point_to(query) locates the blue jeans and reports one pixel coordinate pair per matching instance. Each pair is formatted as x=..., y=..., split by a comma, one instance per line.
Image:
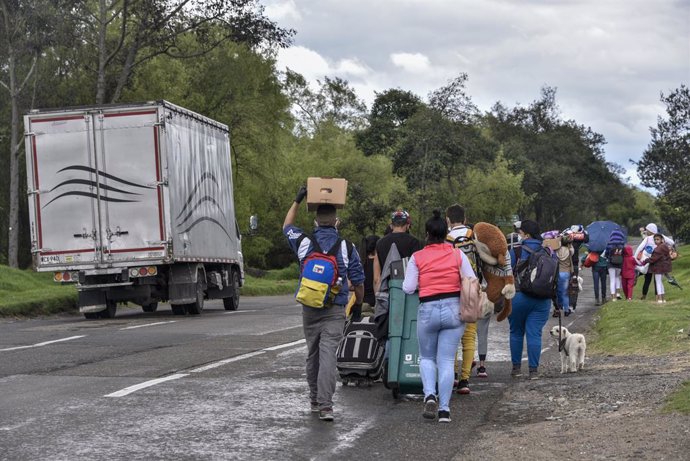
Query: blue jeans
x=563, y=298
x=599, y=275
x=528, y=318
x=439, y=329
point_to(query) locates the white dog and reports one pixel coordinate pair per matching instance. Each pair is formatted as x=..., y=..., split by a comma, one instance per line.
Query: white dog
x=573, y=347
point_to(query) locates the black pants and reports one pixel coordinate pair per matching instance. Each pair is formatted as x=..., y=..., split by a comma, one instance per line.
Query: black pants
x=648, y=277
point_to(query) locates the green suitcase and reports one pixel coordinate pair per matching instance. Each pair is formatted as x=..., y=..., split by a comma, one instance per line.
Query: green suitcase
x=403, y=358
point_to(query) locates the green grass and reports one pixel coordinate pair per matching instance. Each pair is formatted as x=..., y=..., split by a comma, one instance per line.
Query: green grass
x=647, y=328
x=264, y=286
x=25, y=292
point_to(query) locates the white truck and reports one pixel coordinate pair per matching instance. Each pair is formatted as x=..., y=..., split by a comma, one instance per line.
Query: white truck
x=134, y=203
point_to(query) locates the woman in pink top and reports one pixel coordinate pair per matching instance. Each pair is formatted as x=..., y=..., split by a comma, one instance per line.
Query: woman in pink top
x=435, y=272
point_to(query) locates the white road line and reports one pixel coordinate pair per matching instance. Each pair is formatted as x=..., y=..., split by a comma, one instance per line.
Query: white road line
x=283, y=346
x=153, y=382
x=42, y=344
x=147, y=325
x=240, y=312
x=348, y=439
x=210, y=366
x=261, y=333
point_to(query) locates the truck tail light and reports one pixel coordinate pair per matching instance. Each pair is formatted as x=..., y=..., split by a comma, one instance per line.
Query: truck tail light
x=143, y=271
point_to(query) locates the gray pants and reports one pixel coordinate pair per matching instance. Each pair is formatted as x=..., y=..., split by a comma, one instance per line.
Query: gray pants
x=483, y=336
x=323, y=330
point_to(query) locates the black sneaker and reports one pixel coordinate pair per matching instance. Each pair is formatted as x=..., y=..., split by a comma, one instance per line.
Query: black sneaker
x=430, y=407
x=326, y=414
x=443, y=416
x=516, y=372
x=533, y=373
x=314, y=407
x=556, y=313
x=567, y=314
x=464, y=387
x=481, y=372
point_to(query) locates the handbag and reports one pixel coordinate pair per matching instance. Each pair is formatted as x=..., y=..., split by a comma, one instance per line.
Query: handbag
x=471, y=308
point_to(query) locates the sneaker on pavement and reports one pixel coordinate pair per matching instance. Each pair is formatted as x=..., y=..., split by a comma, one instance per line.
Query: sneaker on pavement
x=326, y=414
x=481, y=372
x=430, y=407
x=315, y=407
x=516, y=372
x=443, y=416
x=464, y=387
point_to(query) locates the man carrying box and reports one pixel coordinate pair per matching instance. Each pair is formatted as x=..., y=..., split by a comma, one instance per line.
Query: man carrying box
x=323, y=322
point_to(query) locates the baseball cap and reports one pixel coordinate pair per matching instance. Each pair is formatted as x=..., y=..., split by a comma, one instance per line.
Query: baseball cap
x=400, y=217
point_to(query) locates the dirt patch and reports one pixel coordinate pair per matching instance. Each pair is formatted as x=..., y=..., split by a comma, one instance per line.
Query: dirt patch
x=611, y=410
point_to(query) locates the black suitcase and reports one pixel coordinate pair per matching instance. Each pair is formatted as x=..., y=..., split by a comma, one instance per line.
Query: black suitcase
x=360, y=354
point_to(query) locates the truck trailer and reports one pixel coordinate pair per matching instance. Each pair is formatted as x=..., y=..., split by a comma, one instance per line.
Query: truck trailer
x=134, y=203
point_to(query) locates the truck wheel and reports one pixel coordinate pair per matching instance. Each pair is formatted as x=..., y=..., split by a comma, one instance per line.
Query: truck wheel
x=149, y=307
x=197, y=306
x=233, y=302
x=109, y=312
x=178, y=309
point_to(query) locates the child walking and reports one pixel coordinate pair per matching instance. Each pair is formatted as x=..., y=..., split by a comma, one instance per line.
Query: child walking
x=628, y=272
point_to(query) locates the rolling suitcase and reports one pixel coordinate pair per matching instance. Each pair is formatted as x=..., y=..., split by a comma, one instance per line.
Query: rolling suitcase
x=402, y=374
x=360, y=354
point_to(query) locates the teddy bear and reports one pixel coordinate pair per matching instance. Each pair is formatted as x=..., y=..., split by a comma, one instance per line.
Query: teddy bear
x=493, y=251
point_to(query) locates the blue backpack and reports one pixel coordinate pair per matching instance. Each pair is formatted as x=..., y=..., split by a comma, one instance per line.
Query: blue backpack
x=318, y=283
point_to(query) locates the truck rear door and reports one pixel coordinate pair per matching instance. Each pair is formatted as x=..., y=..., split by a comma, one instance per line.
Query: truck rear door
x=95, y=181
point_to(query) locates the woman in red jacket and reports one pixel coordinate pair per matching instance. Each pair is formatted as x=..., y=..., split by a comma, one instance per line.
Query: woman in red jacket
x=435, y=271
x=660, y=264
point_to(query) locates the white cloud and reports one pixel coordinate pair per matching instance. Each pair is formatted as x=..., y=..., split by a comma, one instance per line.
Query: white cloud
x=282, y=11
x=351, y=67
x=302, y=60
x=415, y=63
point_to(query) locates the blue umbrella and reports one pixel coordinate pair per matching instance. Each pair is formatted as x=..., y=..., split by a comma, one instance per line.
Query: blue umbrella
x=599, y=233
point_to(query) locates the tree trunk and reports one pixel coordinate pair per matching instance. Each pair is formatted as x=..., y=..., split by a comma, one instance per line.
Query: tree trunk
x=102, y=52
x=13, y=233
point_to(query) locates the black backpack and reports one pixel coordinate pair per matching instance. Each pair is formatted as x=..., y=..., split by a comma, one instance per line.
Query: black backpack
x=616, y=256
x=538, y=274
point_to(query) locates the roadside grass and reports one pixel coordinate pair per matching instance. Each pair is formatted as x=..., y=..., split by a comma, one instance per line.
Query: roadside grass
x=25, y=292
x=647, y=328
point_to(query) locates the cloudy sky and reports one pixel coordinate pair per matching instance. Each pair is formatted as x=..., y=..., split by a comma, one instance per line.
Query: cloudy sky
x=609, y=59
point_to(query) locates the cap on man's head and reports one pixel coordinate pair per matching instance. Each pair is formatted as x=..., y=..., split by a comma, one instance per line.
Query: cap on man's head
x=400, y=218
x=651, y=228
x=530, y=227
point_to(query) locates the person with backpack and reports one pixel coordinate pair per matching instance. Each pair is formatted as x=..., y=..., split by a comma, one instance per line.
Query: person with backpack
x=368, y=248
x=437, y=272
x=614, y=254
x=327, y=262
x=398, y=244
x=600, y=268
x=460, y=236
x=536, y=272
x=660, y=264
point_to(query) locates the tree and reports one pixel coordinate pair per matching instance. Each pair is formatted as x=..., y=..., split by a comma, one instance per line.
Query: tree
x=26, y=30
x=389, y=113
x=666, y=160
x=334, y=102
x=117, y=36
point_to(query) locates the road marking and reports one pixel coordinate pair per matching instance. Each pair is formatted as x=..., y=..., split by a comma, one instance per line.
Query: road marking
x=153, y=382
x=283, y=346
x=148, y=325
x=210, y=366
x=348, y=439
x=42, y=344
x=240, y=312
x=261, y=333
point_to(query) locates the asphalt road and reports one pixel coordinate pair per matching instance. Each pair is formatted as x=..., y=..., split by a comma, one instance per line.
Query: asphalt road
x=221, y=385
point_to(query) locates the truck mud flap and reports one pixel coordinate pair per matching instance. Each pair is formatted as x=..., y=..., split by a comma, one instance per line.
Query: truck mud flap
x=182, y=286
x=92, y=301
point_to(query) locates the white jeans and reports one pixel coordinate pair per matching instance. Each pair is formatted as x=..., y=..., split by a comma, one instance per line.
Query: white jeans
x=614, y=279
x=659, y=283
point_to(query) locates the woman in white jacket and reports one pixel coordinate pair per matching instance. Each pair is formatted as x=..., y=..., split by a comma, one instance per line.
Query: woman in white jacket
x=644, y=250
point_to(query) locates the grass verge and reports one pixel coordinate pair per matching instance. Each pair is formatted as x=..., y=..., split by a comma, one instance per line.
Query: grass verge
x=25, y=292
x=647, y=328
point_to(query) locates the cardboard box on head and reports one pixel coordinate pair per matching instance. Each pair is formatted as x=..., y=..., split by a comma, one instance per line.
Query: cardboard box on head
x=554, y=243
x=326, y=190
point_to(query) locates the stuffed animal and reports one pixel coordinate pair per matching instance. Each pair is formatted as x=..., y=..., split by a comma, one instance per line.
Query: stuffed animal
x=493, y=251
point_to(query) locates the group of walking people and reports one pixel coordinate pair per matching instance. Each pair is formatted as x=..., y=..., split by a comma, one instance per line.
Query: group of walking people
x=435, y=270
